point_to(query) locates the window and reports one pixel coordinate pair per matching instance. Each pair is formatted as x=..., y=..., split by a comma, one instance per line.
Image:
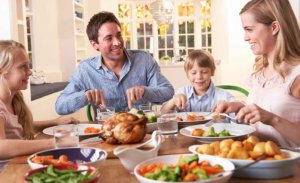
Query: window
x=29, y=31
x=191, y=28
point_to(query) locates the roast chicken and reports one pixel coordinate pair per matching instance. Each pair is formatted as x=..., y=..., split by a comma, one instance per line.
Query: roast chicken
x=124, y=128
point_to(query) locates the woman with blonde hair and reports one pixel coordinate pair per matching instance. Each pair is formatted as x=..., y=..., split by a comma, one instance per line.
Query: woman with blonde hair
x=16, y=121
x=273, y=104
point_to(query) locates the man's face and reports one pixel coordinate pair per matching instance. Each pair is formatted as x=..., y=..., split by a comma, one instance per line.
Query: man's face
x=110, y=42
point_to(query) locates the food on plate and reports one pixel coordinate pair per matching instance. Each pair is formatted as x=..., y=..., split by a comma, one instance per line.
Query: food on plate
x=190, y=118
x=90, y=130
x=251, y=148
x=50, y=160
x=188, y=168
x=63, y=174
x=124, y=128
x=197, y=132
x=210, y=132
x=194, y=117
x=151, y=116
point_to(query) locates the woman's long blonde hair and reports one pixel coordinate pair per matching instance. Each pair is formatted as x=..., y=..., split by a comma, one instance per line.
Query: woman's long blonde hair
x=287, y=48
x=8, y=49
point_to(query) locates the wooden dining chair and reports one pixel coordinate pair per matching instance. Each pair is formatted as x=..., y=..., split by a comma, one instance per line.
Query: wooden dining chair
x=234, y=88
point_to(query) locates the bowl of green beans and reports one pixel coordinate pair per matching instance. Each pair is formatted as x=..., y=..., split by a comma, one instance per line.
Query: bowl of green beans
x=67, y=173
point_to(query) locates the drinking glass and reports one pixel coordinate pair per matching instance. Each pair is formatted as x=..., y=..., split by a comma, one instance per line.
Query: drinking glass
x=167, y=125
x=105, y=113
x=66, y=136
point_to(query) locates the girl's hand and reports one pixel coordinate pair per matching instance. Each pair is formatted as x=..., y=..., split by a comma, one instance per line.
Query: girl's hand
x=252, y=114
x=64, y=121
x=223, y=106
x=180, y=101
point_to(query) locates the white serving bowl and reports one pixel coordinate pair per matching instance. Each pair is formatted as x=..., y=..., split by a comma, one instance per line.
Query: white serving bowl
x=264, y=169
x=173, y=159
x=79, y=155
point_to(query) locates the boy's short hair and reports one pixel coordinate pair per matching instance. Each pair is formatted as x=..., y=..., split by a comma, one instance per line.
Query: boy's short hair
x=97, y=21
x=202, y=58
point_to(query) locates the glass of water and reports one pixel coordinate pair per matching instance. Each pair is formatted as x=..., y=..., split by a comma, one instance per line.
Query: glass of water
x=167, y=125
x=105, y=113
x=66, y=136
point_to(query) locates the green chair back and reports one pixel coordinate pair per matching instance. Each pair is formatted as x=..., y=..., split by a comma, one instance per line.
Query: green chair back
x=88, y=113
x=235, y=88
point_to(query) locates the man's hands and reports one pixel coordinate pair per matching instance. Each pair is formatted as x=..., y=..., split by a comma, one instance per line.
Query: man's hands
x=134, y=94
x=96, y=97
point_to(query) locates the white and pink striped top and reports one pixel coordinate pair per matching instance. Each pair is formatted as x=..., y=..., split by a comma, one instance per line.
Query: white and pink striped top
x=274, y=95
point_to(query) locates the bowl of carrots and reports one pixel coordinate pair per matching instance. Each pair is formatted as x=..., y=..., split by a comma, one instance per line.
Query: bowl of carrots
x=184, y=168
x=63, y=173
x=67, y=156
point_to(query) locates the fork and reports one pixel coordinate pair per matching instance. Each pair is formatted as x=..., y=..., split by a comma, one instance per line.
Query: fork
x=227, y=116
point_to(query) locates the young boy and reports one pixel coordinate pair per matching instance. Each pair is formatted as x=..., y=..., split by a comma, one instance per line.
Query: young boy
x=201, y=94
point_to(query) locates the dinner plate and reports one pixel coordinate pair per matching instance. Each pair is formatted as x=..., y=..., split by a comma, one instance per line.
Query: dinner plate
x=237, y=131
x=183, y=115
x=264, y=169
x=81, y=128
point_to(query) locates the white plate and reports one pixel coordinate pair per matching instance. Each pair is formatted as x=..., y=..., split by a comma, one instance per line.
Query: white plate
x=173, y=159
x=265, y=169
x=236, y=131
x=81, y=128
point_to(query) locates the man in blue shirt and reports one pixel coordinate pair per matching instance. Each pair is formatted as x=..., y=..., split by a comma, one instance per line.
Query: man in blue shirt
x=118, y=77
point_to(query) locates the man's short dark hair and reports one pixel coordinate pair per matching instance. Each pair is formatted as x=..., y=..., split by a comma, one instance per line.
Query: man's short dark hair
x=97, y=21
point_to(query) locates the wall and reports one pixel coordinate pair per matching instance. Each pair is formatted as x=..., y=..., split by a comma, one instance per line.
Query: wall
x=228, y=44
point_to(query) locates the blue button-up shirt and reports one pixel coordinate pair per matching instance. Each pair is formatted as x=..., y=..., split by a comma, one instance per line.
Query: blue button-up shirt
x=139, y=70
x=205, y=102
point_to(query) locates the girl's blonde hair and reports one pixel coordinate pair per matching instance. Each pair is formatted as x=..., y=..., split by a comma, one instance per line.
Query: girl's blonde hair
x=8, y=49
x=202, y=58
x=287, y=48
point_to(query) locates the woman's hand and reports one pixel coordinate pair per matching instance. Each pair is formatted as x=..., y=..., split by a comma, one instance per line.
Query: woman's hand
x=223, y=106
x=252, y=114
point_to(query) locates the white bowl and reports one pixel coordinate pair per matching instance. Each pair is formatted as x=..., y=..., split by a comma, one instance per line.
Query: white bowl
x=264, y=169
x=79, y=155
x=173, y=159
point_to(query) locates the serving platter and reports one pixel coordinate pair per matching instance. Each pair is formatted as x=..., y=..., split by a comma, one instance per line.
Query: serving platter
x=81, y=128
x=237, y=131
x=264, y=169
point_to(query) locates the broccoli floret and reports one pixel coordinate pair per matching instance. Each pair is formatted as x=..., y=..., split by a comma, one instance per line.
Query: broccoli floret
x=152, y=118
x=200, y=173
x=188, y=159
x=224, y=133
x=210, y=132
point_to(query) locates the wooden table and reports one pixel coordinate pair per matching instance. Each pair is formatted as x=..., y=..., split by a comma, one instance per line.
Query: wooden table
x=113, y=171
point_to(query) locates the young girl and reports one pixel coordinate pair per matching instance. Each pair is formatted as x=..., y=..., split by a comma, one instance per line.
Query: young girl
x=201, y=95
x=16, y=122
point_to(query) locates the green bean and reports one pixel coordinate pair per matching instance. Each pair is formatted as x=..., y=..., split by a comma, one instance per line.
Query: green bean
x=54, y=175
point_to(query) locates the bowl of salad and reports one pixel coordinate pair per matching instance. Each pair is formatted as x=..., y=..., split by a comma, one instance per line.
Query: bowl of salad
x=184, y=168
x=151, y=116
x=65, y=173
